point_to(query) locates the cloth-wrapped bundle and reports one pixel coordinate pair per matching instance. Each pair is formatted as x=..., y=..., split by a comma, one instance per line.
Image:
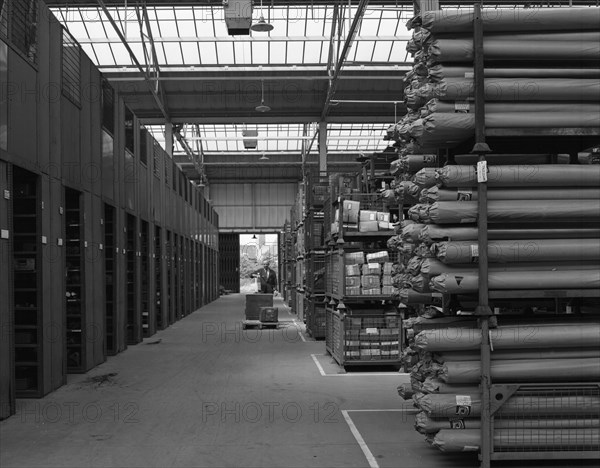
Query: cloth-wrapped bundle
x=434, y=194
x=510, y=20
x=469, y=440
x=513, y=159
x=509, y=211
x=405, y=391
x=410, y=297
x=438, y=72
x=425, y=178
x=555, y=175
x=516, y=354
x=435, y=233
x=413, y=163
x=442, y=405
x=521, y=337
x=411, y=232
x=449, y=283
x=524, y=370
x=433, y=385
x=518, y=251
x=461, y=50
x=427, y=425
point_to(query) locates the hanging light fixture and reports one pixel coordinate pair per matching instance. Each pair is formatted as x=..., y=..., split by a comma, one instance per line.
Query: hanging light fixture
x=263, y=107
x=254, y=237
x=262, y=25
x=264, y=157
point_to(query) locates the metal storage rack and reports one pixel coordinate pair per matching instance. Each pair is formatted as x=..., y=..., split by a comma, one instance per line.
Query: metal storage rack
x=362, y=338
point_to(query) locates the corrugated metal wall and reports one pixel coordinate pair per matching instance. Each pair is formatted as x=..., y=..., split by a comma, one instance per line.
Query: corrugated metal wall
x=253, y=205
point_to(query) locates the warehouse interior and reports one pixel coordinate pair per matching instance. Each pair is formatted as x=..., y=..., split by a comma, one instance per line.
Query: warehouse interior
x=422, y=176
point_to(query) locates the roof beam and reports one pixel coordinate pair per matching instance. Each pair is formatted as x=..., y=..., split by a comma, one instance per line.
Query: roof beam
x=351, y=33
x=235, y=39
x=134, y=59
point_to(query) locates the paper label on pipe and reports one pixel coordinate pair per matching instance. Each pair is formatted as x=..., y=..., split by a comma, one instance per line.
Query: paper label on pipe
x=464, y=194
x=471, y=448
x=7, y=194
x=463, y=400
x=4, y=234
x=474, y=251
x=44, y=240
x=372, y=331
x=482, y=171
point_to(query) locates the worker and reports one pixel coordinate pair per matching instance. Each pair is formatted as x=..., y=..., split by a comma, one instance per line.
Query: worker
x=268, y=278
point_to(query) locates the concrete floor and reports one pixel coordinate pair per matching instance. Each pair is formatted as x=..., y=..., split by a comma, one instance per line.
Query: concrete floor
x=212, y=395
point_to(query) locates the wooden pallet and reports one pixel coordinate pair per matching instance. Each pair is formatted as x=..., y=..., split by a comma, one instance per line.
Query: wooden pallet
x=258, y=324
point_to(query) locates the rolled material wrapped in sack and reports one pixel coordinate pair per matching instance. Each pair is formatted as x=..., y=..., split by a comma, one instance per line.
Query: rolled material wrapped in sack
x=431, y=267
x=435, y=233
x=525, y=370
x=513, y=159
x=425, y=177
x=521, y=337
x=518, y=251
x=413, y=163
x=410, y=297
x=434, y=194
x=441, y=405
x=410, y=232
x=567, y=353
x=461, y=50
x=428, y=425
x=510, y=20
x=509, y=211
x=449, y=440
x=448, y=283
x=555, y=175
x=438, y=106
x=433, y=385
x=405, y=391
x=438, y=72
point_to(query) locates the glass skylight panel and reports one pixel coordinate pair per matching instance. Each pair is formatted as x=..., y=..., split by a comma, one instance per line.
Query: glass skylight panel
x=173, y=53
x=225, y=53
x=295, y=26
x=277, y=52
x=294, y=52
x=382, y=51
x=190, y=53
x=208, y=53
x=398, y=51
x=165, y=14
x=364, y=51
x=242, y=52
x=104, y=54
x=312, y=52
x=260, y=53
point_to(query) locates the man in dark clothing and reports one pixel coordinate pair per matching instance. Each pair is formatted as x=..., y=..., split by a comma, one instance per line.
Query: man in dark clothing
x=268, y=278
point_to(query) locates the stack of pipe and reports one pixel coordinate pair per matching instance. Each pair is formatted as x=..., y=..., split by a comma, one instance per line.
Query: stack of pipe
x=445, y=385
x=548, y=79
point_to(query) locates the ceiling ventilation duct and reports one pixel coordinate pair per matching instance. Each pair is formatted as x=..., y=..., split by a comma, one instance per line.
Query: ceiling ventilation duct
x=238, y=17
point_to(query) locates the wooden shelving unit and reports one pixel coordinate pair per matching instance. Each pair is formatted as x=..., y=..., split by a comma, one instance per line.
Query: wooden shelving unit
x=75, y=280
x=147, y=326
x=27, y=285
x=133, y=334
x=110, y=325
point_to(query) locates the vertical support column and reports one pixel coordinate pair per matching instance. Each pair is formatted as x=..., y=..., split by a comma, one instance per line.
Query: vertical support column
x=322, y=148
x=483, y=310
x=169, y=140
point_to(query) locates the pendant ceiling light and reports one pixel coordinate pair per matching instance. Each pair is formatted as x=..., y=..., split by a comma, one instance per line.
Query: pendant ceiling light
x=264, y=157
x=263, y=107
x=262, y=25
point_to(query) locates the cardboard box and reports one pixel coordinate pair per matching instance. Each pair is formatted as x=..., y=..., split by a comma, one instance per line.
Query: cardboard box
x=371, y=269
x=383, y=220
x=352, y=270
x=388, y=290
x=371, y=291
x=352, y=281
x=354, y=258
x=388, y=268
x=353, y=291
x=378, y=257
x=368, y=226
x=367, y=215
x=387, y=280
x=350, y=211
x=370, y=281
x=269, y=314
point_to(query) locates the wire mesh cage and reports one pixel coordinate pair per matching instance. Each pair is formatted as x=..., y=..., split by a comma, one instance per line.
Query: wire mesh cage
x=317, y=191
x=363, y=339
x=546, y=421
x=314, y=230
x=315, y=317
x=315, y=272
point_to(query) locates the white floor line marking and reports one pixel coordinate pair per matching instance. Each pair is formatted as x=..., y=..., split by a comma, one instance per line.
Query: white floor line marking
x=318, y=365
x=361, y=442
x=297, y=325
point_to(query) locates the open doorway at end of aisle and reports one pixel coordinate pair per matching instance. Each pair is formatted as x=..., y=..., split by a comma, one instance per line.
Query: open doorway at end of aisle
x=254, y=250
